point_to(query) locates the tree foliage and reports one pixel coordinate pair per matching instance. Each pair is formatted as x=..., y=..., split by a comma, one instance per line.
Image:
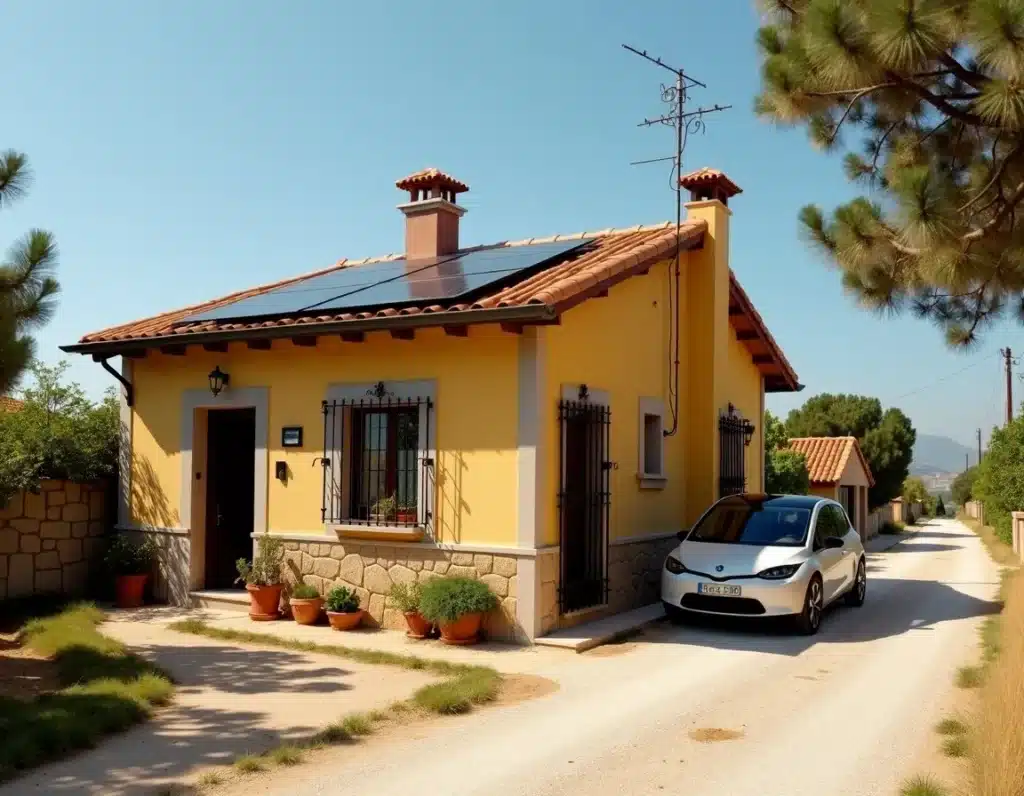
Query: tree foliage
x=914, y=490
x=785, y=471
x=886, y=438
x=927, y=99
x=963, y=485
x=58, y=433
x=999, y=483
x=28, y=289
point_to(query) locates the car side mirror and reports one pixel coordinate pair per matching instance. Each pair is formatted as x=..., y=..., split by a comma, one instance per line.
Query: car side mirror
x=681, y=535
x=834, y=543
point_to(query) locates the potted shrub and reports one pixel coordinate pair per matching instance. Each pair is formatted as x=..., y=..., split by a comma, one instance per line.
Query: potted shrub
x=306, y=604
x=262, y=579
x=130, y=562
x=406, y=515
x=406, y=598
x=457, y=606
x=384, y=509
x=343, y=611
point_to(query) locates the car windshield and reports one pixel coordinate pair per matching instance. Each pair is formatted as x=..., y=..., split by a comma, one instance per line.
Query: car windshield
x=747, y=521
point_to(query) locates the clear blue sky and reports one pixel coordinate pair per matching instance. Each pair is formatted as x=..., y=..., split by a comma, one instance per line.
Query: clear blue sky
x=183, y=150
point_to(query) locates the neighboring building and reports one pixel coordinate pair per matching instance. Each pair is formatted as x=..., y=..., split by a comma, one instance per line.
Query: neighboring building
x=839, y=471
x=503, y=412
x=8, y=404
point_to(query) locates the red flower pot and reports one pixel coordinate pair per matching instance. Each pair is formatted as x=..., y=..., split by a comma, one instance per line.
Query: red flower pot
x=345, y=621
x=418, y=626
x=264, y=602
x=464, y=630
x=306, y=611
x=129, y=589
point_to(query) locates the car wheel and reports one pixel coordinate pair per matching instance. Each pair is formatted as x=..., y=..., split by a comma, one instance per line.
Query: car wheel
x=675, y=614
x=809, y=619
x=856, y=595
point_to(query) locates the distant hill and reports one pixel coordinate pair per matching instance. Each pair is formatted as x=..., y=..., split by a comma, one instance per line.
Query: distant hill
x=936, y=454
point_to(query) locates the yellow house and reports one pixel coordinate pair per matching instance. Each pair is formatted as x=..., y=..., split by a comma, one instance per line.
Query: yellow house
x=542, y=414
x=838, y=470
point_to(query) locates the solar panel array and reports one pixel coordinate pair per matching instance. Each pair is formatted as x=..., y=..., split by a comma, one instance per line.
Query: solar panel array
x=395, y=282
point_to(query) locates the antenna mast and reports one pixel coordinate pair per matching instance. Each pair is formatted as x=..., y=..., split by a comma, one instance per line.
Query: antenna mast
x=685, y=122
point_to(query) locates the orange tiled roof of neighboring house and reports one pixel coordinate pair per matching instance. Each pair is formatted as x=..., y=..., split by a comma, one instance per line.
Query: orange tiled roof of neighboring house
x=8, y=404
x=610, y=256
x=827, y=457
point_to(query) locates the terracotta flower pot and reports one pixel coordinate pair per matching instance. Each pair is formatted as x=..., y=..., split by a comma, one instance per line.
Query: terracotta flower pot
x=406, y=517
x=463, y=630
x=129, y=589
x=346, y=621
x=307, y=611
x=418, y=626
x=264, y=602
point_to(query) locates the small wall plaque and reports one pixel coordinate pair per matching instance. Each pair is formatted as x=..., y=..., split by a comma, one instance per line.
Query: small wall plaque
x=291, y=437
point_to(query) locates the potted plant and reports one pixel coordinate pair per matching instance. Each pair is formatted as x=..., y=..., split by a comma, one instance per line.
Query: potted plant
x=406, y=598
x=306, y=604
x=384, y=509
x=130, y=562
x=262, y=579
x=343, y=611
x=457, y=606
x=406, y=514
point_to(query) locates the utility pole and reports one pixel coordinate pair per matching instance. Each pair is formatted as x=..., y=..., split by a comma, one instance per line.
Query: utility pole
x=967, y=462
x=1008, y=356
x=979, y=441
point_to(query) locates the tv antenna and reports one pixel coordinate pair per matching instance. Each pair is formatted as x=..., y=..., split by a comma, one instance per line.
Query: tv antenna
x=685, y=122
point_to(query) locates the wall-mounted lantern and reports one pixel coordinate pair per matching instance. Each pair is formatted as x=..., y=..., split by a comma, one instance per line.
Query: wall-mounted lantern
x=218, y=380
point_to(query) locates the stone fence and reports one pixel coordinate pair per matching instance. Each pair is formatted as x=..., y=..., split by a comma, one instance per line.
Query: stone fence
x=975, y=509
x=50, y=538
x=876, y=519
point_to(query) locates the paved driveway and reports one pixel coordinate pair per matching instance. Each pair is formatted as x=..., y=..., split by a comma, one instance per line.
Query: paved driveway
x=842, y=714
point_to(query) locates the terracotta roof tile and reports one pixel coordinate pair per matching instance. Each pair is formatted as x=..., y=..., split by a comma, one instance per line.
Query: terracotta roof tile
x=827, y=457
x=706, y=177
x=431, y=176
x=8, y=404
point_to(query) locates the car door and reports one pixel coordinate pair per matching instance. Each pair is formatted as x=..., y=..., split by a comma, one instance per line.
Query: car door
x=849, y=559
x=830, y=560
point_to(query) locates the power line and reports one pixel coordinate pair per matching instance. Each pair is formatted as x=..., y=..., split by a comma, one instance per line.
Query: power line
x=949, y=376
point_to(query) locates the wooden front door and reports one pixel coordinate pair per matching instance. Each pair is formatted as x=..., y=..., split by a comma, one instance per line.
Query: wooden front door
x=230, y=463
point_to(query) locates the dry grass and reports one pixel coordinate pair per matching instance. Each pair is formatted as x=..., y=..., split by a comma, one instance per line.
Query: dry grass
x=922, y=786
x=250, y=764
x=210, y=779
x=951, y=727
x=997, y=759
x=955, y=746
x=715, y=734
x=1001, y=552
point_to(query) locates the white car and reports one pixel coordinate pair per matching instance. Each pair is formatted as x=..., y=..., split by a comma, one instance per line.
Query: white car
x=766, y=555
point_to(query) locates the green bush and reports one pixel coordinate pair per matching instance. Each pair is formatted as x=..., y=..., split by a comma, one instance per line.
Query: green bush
x=303, y=591
x=342, y=600
x=447, y=599
x=1000, y=480
x=892, y=528
x=126, y=557
x=265, y=570
x=406, y=596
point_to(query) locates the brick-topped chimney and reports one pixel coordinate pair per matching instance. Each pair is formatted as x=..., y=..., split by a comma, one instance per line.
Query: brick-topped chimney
x=431, y=215
x=707, y=183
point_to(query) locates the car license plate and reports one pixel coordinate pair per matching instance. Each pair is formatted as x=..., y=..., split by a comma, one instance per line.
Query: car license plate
x=719, y=590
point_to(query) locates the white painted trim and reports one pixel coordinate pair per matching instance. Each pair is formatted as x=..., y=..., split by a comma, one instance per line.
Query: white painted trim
x=529, y=457
x=650, y=407
x=650, y=537
x=426, y=444
x=131, y=528
x=257, y=398
x=323, y=538
x=124, y=450
x=433, y=203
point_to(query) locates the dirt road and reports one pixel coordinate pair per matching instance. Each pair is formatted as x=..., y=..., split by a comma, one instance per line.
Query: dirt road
x=844, y=714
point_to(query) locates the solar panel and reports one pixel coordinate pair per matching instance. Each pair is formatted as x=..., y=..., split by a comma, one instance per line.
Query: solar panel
x=392, y=282
x=459, y=276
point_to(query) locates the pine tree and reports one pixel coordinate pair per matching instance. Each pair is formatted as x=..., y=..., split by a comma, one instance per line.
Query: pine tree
x=940, y=508
x=931, y=93
x=27, y=288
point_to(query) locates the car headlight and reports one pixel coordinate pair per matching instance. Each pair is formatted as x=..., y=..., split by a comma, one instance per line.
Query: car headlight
x=779, y=573
x=674, y=565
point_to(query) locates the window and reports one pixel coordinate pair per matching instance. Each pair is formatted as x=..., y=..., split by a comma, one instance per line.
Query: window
x=831, y=523
x=746, y=520
x=651, y=463
x=378, y=462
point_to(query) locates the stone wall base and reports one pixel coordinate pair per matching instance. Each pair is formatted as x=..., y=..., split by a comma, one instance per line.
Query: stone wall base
x=371, y=568
x=634, y=572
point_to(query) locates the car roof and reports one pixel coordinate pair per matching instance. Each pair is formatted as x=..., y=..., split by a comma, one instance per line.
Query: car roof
x=786, y=501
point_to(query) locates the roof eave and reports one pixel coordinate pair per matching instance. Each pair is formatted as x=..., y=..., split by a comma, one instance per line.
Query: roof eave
x=528, y=314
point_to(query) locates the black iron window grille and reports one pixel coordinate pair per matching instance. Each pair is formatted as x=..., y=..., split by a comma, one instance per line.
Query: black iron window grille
x=734, y=435
x=584, y=498
x=377, y=468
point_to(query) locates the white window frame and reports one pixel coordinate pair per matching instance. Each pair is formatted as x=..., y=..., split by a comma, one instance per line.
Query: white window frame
x=426, y=448
x=650, y=407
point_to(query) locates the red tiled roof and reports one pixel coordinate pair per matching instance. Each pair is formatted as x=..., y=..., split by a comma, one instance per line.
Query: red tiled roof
x=8, y=404
x=431, y=176
x=706, y=177
x=827, y=457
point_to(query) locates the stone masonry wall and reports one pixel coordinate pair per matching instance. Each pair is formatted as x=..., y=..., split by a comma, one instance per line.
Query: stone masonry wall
x=371, y=567
x=634, y=572
x=48, y=539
